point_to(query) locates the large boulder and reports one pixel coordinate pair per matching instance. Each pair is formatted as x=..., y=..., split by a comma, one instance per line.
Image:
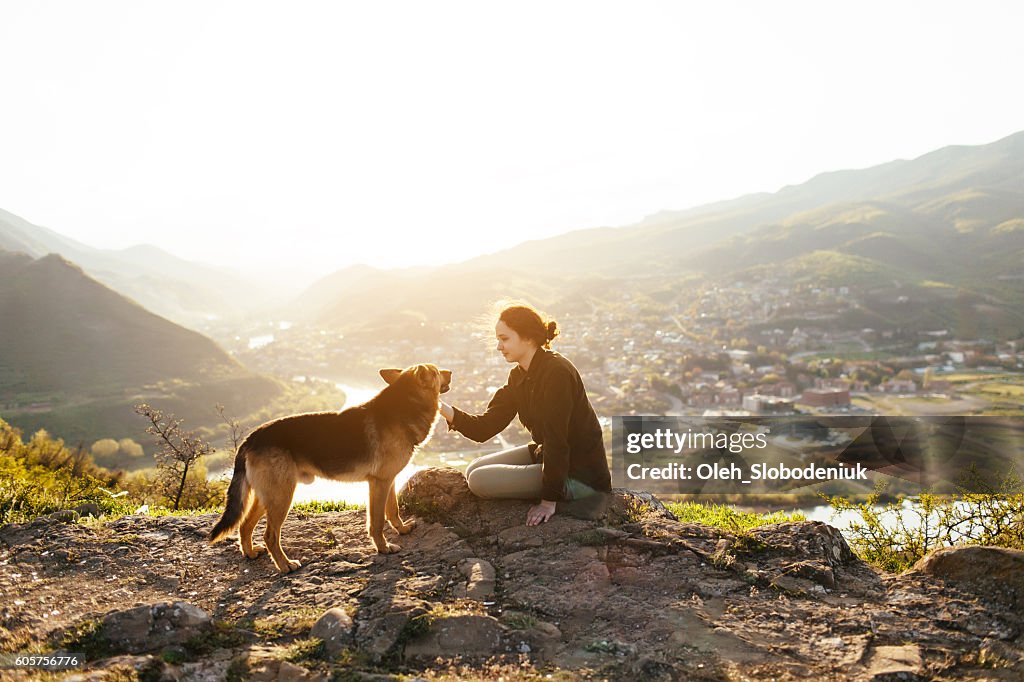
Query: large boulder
x=800, y=558
x=993, y=573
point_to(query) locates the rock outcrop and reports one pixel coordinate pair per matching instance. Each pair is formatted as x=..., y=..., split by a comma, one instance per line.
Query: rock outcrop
x=615, y=589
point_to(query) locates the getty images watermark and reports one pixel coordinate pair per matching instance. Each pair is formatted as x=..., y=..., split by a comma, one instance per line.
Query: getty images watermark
x=753, y=454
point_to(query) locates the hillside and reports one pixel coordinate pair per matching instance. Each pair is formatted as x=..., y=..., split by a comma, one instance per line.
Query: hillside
x=75, y=355
x=947, y=226
x=189, y=293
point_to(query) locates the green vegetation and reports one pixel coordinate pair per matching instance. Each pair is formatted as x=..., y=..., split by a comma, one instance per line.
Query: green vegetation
x=85, y=637
x=519, y=621
x=322, y=506
x=895, y=535
x=727, y=517
x=289, y=624
x=42, y=476
x=225, y=635
x=305, y=651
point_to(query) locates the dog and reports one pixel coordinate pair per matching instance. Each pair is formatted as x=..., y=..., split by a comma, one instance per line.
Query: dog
x=370, y=442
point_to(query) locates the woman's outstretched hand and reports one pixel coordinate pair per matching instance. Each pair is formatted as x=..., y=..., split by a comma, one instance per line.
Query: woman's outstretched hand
x=446, y=411
x=539, y=513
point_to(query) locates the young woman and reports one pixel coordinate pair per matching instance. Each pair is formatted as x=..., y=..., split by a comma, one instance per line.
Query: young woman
x=566, y=460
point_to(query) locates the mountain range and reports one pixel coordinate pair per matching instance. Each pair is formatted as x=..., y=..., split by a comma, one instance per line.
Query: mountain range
x=947, y=226
x=945, y=231
x=192, y=294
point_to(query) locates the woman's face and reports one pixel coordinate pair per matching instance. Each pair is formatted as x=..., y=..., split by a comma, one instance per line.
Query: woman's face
x=512, y=346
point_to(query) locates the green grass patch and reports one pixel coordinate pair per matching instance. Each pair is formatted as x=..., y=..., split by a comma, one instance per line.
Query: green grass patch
x=301, y=651
x=85, y=636
x=165, y=511
x=224, y=635
x=1003, y=389
x=323, y=506
x=297, y=622
x=519, y=621
x=727, y=517
x=423, y=509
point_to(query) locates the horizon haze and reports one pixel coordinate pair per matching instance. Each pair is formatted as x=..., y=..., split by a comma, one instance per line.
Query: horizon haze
x=327, y=136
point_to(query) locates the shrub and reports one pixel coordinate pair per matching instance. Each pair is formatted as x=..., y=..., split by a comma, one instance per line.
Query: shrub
x=895, y=535
x=43, y=476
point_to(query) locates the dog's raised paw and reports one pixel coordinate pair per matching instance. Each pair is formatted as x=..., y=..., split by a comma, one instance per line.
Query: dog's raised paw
x=406, y=527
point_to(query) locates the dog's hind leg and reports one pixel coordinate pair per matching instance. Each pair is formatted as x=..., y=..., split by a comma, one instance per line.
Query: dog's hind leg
x=391, y=511
x=278, y=503
x=375, y=512
x=252, y=516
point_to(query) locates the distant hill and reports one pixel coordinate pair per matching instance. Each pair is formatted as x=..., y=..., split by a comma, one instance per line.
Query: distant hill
x=961, y=185
x=947, y=227
x=180, y=290
x=75, y=356
x=403, y=301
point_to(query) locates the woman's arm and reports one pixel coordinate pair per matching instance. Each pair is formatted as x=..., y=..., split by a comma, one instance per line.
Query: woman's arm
x=482, y=427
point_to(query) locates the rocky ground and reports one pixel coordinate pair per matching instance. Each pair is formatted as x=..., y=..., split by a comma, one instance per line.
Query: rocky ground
x=623, y=592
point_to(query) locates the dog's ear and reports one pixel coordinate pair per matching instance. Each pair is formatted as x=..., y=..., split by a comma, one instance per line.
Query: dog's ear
x=390, y=375
x=446, y=380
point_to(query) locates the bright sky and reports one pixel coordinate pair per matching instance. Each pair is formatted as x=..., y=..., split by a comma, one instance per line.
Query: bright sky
x=317, y=135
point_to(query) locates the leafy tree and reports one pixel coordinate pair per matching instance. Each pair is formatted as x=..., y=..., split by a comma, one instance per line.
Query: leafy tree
x=180, y=479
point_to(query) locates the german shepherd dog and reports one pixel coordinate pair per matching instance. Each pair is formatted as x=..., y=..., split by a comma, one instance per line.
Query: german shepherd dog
x=370, y=442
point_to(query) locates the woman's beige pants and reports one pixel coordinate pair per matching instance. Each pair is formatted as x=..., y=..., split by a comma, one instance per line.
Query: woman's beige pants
x=511, y=474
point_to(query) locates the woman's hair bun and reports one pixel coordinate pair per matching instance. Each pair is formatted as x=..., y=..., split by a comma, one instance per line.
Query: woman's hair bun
x=524, y=320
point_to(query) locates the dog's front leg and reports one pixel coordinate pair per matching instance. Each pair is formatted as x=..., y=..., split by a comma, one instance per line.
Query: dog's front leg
x=391, y=511
x=375, y=515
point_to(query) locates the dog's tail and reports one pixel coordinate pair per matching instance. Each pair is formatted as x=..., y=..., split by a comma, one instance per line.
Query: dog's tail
x=235, y=500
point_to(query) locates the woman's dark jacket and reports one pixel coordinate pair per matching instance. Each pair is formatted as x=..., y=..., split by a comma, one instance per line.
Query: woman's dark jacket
x=553, y=405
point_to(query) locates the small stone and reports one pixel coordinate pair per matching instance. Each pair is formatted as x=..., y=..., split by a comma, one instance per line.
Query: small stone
x=289, y=672
x=88, y=509
x=480, y=579
x=548, y=630
x=335, y=629
x=895, y=662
